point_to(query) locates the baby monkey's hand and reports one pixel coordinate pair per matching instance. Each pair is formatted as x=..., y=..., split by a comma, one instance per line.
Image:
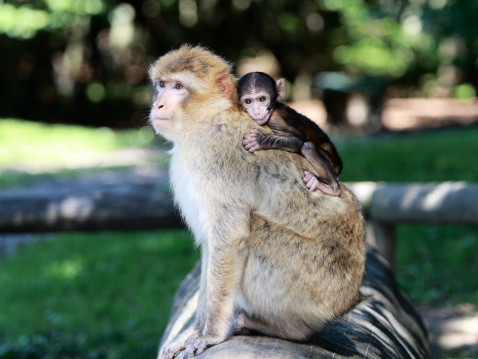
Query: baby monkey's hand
x=252, y=140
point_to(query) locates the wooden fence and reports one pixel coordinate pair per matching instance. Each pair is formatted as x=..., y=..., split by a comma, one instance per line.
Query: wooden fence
x=386, y=205
x=149, y=206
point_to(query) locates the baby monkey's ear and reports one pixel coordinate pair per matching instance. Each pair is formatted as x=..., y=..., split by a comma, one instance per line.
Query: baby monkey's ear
x=281, y=89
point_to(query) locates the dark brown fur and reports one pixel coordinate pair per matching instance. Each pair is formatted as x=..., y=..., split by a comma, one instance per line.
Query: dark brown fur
x=293, y=132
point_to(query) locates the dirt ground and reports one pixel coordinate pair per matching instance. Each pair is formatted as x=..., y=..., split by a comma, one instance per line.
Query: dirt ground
x=453, y=330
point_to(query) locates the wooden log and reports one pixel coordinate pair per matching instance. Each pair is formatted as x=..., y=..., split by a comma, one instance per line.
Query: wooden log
x=440, y=203
x=107, y=201
x=385, y=326
x=117, y=200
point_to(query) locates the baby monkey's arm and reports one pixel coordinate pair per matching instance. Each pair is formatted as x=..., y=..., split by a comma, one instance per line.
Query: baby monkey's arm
x=255, y=140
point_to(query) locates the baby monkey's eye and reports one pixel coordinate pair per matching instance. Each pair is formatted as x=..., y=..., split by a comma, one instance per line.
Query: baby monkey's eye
x=262, y=99
x=247, y=101
x=161, y=84
x=178, y=86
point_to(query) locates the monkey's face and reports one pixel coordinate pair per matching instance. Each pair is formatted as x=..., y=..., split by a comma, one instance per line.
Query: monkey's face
x=165, y=114
x=257, y=104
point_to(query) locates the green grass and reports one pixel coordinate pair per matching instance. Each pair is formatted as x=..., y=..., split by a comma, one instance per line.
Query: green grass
x=437, y=265
x=434, y=264
x=108, y=295
x=37, y=148
x=44, y=144
x=102, y=295
x=440, y=155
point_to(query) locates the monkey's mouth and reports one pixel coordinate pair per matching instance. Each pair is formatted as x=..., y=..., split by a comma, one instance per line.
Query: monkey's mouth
x=260, y=121
x=158, y=118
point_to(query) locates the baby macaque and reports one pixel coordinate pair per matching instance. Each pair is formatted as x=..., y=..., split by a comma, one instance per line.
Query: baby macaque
x=261, y=97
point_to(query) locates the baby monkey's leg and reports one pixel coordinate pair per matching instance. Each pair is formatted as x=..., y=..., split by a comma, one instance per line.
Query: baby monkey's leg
x=327, y=181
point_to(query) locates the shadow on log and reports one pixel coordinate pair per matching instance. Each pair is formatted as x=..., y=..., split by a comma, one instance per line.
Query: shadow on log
x=385, y=326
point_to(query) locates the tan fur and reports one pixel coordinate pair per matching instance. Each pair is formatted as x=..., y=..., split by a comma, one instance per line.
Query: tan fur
x=276, y=257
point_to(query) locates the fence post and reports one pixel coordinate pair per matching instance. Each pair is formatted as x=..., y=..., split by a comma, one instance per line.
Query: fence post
x=382, y=236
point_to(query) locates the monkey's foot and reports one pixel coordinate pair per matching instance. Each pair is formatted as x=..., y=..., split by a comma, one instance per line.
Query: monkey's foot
x=197, y=345
x=170, y=351
x=251, y=141
x=174, y=348
x=313, y=183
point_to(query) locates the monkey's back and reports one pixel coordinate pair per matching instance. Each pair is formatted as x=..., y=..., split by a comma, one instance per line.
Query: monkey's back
x=311, y=244
x=304, y=247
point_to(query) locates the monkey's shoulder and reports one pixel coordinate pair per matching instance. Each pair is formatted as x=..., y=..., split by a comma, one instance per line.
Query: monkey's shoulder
x=217, y=144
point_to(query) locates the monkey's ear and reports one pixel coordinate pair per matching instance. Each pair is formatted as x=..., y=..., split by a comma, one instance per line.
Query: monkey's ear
x=225, y=84
x=281, y=89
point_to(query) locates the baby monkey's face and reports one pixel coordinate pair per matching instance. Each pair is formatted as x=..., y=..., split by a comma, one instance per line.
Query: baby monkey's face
x=257, y=105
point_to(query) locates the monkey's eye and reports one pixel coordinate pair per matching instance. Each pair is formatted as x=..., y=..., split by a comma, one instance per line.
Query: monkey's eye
x=161, y=84
x=178, y=86
x=247, y=101
x=262, y=99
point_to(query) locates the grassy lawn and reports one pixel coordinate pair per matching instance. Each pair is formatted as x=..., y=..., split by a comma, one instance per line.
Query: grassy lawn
x=25, y=142
x=35, y=148
x=103, y=295
x=435, y=264
x=108, y=295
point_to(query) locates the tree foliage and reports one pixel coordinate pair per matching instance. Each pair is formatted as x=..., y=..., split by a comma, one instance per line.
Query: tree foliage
x=86, y=61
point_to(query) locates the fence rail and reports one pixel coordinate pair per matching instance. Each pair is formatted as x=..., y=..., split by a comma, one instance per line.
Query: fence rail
x=386, y=205
x=148, y=206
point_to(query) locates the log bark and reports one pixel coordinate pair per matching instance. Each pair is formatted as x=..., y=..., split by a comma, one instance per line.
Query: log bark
x=385, y=326
x=440, y=203
x=110, y=200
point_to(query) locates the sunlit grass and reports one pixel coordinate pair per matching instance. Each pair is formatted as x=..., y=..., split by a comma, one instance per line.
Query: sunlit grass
x=29, y=150
x=39, y=144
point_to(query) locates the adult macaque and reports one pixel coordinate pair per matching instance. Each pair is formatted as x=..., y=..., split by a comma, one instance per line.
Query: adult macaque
x=276, y=258
x=261, y=97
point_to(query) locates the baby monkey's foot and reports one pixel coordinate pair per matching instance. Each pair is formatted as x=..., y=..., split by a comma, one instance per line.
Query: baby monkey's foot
x=251, y=140
x=313, y=183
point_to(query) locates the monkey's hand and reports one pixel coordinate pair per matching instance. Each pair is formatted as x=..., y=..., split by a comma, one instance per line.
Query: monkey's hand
x=197, y=345
x=252, y=140
x=175, y=347
x=192, y=347
x=170, y=351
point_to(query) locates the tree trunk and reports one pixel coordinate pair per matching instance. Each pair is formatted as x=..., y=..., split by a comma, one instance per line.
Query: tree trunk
x=384, y=326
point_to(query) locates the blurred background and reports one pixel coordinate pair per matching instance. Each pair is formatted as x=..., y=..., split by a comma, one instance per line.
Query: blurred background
x=394, y=83
x=85, y=62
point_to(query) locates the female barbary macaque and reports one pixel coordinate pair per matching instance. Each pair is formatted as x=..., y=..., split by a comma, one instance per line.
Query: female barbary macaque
x=276, y=258
x=261, y=97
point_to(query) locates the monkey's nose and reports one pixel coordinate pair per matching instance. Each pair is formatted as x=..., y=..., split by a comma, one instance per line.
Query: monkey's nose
x=160, y=107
